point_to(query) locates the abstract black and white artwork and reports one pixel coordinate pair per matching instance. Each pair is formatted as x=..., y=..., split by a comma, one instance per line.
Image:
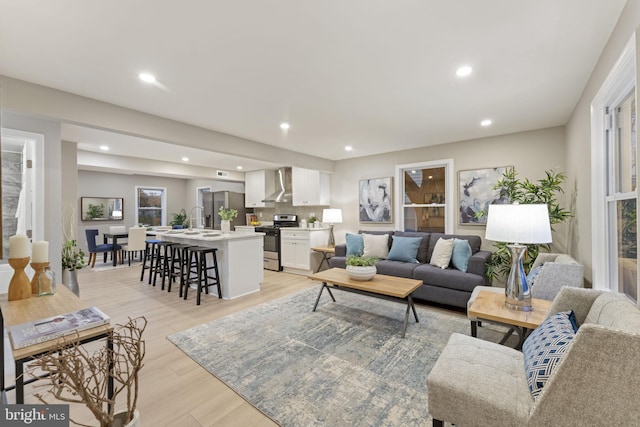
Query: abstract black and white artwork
x=477, y=193
x=375, y=200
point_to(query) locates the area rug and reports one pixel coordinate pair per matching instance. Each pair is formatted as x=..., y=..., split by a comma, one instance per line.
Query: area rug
x=109, y=266
x=344, y=365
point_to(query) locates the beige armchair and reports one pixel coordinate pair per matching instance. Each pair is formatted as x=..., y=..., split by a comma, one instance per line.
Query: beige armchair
x=480, y=383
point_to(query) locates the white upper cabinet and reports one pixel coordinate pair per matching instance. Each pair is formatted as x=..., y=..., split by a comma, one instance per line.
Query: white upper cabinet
x=257, y=186
x=309, y=187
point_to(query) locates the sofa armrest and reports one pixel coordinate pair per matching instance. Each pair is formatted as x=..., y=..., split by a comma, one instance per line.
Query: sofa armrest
x=341, y=250
x=579, y=300
x=478, y=263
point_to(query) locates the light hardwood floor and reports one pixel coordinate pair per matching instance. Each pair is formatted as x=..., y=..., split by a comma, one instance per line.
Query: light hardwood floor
x=175, y=390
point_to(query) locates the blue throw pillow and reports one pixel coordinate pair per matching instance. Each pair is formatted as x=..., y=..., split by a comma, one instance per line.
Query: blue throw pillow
x=544, y=348
x=404, y=249
x=355, y=244
x=461, y=254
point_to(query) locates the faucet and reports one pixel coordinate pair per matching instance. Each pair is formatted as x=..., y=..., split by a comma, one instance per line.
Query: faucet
x=194, y=219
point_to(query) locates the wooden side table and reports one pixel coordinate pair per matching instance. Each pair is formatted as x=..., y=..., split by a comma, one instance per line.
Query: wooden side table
x=325, y=250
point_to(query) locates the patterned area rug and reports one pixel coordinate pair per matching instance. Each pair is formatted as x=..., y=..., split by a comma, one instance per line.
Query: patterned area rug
x=344, y=365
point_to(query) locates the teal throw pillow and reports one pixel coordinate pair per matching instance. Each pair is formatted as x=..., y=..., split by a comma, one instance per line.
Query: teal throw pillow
x=461, y=254
x=355, y=244
x=404, y=249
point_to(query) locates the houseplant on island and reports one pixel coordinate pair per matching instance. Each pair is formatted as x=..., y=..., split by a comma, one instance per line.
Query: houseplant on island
x=78, y=375
x=72, y=260
x=226, y=216
x=361, y=267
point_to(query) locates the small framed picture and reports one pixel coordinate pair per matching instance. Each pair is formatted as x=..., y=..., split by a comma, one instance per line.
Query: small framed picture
x=376, y=198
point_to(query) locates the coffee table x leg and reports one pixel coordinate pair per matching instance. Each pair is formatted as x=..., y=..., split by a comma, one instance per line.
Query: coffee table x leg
x=324, y=285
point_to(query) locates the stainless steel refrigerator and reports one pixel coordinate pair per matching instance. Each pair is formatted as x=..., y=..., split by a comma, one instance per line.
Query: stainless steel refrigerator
x=228, y=199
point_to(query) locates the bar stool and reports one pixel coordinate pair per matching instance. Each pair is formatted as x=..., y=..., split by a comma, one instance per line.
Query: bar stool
x=149, y=255
x=198, y=260
x=179, y=264
x=162, y=261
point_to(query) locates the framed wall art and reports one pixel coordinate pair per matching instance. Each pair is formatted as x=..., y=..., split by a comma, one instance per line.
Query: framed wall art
x=476, y=193
x=376, y=197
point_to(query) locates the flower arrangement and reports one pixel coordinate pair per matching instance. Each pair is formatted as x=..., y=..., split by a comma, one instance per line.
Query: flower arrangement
x=72, y=256
x=227, y=214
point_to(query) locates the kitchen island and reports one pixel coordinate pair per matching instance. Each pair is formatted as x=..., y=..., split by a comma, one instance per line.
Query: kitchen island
x=239, y=257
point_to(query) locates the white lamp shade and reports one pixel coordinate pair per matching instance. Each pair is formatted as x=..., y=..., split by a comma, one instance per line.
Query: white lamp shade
x=332, y=216
x=518, y=224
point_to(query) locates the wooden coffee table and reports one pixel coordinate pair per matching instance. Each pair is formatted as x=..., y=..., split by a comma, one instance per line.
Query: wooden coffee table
x=490, y=306
x=381, y=286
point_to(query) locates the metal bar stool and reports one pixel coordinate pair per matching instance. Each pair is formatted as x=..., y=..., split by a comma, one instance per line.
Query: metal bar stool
x=149, y=255
x=203, y=278
x=162, y=262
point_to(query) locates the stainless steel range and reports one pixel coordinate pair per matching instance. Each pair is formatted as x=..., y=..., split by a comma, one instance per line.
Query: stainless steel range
x=271, y=254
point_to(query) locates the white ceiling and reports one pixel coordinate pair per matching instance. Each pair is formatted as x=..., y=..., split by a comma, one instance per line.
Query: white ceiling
x=378, y=75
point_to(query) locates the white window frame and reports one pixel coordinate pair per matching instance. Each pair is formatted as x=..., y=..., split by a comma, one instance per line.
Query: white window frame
x=449, y=207
x=620, y=81
x=164, y=201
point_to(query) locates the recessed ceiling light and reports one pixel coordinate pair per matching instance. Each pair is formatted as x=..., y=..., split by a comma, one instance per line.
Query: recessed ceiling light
x=104, y=147
x=486, y=123
x=348, y=148
x=284, y=126
x=464, y=71
x=239, y=168
x=146, y=77
x=185, y=159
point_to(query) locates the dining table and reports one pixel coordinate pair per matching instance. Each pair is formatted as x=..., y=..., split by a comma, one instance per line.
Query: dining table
x=114, y=239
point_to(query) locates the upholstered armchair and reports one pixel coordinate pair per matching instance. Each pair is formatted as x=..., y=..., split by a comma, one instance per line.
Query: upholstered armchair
x=595, y=382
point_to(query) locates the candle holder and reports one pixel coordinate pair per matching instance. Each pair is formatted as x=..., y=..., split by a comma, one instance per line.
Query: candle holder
x=19, y=286
x=38, y=267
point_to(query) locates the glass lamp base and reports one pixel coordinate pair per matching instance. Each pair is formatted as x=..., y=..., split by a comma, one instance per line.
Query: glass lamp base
x=517, y=292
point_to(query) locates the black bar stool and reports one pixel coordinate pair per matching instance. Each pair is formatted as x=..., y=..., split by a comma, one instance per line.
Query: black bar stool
x=205, y=275
x=149, y=255
x=179, y=265
x=162, y=261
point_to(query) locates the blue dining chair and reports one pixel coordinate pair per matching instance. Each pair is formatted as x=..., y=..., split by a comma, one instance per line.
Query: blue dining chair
x=94, y=249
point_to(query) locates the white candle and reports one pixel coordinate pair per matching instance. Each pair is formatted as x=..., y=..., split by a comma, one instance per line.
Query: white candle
x=40, y=252
x=18, y=246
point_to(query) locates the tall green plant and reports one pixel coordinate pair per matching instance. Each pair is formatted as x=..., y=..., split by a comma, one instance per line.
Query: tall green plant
x=544, y=191
x=180, y=218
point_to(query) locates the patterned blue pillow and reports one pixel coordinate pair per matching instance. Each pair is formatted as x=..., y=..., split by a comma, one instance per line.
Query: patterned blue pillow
x=355, y=244
x=544, y=348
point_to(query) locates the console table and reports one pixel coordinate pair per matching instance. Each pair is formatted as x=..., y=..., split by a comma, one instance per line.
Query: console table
x=35, y=308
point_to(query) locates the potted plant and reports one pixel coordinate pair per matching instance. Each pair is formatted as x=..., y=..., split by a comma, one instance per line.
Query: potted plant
x=226, y=215
x=95, y=211
x=72, y=260
x=361, y=267
x=78, y=375
x=180, y=218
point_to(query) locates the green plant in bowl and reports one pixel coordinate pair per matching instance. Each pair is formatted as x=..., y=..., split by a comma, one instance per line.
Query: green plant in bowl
x=361, y=261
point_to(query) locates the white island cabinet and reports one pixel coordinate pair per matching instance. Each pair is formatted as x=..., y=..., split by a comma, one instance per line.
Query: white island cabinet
x=239, y=258
x=296, y=255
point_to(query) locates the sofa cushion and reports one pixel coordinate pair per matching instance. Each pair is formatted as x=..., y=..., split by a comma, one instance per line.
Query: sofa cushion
x=424, y=244
x=544, y=348
x=447, y=278
x=461, y=254
x=376, y=245
x=474, y=241
x=441, y=255
x=396, y=268
x=404, y=249
x=355, y=244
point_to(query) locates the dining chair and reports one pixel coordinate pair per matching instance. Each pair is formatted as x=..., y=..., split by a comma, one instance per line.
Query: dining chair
x=135, y=242
x=117, y=229
x=95, y=249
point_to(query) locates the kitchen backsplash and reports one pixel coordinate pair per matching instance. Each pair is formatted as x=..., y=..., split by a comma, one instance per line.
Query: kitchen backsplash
x=288, y=208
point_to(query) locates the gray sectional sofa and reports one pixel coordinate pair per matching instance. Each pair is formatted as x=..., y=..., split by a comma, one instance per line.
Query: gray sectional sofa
x=444, y=286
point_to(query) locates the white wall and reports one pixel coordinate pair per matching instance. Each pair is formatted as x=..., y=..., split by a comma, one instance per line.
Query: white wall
x=530, y=152
x=579, y=136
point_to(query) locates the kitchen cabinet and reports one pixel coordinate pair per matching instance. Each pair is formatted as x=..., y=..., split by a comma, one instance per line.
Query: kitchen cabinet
x=295, y=248
x=309, y=187
x=257, y=186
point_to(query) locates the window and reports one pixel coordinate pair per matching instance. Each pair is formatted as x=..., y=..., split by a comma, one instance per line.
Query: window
x=426, y=201
x=614, y=179
x=151, y=206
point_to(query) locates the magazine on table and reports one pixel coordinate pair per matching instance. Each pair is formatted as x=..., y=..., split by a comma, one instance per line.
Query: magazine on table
x=50, y=328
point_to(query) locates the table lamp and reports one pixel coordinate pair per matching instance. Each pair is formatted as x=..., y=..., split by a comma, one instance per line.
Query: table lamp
x=517, y=225
x=332, y=216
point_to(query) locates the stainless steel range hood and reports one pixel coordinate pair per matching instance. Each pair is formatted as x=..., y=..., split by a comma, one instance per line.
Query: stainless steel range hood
x=283, y=187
